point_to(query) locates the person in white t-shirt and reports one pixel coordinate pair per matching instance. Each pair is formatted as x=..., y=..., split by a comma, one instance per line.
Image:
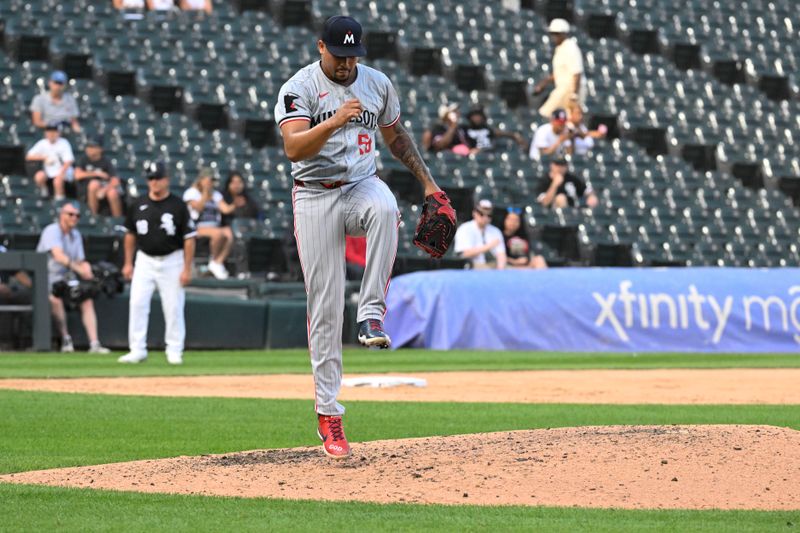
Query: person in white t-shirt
x=56, y=156
x=196, y=5
x=567, y=73
x=552, y=138
x=160, y=5
x=206, y=207
x=129, y=4
x=481, y=242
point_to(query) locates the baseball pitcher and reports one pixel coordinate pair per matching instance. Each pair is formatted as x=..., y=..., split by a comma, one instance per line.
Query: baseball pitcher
x=328, y=113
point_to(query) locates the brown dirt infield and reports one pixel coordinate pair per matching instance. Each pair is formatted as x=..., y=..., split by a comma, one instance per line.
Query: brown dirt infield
x=677, y=386
x=632, y=467
x=689, y=467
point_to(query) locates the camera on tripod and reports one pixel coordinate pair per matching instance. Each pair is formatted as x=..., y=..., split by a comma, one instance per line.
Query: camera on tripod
x=73, y=290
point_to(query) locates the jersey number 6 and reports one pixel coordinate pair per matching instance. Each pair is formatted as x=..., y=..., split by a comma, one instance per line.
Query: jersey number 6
x=364, y=143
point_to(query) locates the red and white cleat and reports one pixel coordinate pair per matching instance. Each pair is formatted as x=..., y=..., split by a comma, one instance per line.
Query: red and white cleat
x=334, y=443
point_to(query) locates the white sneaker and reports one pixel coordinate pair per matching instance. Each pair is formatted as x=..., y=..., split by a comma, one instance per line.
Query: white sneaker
x=175, y=359
x=218, y=270
x=96, y=347
x=132, y=358
x=66, y=345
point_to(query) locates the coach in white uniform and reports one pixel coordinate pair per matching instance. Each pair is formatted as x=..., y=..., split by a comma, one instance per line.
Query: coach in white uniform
x=329, y=113
x=158, y=225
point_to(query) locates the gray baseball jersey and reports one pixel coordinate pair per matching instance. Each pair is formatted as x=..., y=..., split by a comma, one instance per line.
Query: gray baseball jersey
x=349, y=154
x=363, y=205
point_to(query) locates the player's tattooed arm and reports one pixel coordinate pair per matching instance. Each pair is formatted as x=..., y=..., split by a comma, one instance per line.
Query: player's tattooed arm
x=403, y=148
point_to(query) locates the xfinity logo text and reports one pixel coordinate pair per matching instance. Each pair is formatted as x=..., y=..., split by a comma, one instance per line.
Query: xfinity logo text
x=626, y=310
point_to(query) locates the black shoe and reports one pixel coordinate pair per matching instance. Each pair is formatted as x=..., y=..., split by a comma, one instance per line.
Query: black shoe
x=370, y=333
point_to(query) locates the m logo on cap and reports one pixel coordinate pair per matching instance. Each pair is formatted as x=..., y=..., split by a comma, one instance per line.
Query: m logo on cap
x=348, y=39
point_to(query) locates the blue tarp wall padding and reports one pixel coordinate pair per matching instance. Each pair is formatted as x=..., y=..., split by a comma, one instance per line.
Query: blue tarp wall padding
x=598, y=309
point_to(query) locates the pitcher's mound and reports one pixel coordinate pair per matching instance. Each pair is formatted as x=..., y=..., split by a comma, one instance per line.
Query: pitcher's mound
x=690, y=467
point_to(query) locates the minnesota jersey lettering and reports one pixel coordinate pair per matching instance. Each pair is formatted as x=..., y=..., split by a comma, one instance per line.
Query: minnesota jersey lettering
x=368, y=119
x=348, y=155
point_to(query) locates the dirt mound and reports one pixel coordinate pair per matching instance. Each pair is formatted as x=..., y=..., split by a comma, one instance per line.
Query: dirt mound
x=662, y=386
x=690, y=467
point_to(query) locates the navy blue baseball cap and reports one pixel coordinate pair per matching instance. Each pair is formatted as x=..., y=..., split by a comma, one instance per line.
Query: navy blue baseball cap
x=559, y=114
x=342, y=37
x=94, y=140
x=155, y=170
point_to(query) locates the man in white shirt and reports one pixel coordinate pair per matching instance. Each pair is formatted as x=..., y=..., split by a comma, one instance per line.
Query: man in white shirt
x=567, y=73
x=481, y=242
x=56, y=156
x=553, y=138
x=62, y=242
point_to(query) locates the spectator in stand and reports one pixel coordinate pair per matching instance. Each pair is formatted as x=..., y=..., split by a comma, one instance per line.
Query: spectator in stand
x=206, y=207
x=567, y=73
x=582, y=137
x=196, y=5
x=63, y=243
x=161, y=5
x=55, y=106
x=56, y=156
x=516, y=242
x=480, y=137
x=129, y=4
x=97, y=178
x=446, y=135
x=236, y=194
x=479, y=241
x=14, y=286
x=131, y=9
x=561, y=188
x=553, y=138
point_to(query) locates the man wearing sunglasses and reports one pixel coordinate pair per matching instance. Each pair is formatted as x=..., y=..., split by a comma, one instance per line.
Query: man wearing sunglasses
x=55, y=106
x=160, y=227
x=62, y=242
x=481, y=242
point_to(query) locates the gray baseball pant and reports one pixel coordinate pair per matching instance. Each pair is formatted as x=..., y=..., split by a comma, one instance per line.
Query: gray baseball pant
x=322, y=218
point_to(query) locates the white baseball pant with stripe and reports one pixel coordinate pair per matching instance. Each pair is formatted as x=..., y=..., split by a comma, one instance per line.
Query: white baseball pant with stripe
x=322, y=218
x=162, y=273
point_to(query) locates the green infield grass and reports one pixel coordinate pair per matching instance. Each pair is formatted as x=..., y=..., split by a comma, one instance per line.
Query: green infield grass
x=47, y=430
x=32, y=508
x=34, y=365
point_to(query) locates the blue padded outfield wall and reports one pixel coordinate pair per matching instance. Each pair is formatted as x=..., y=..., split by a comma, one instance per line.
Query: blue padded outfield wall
x=598, y=309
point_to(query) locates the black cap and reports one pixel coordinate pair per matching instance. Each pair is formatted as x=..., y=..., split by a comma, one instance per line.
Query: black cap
x=155, y=170
x=559, y=161
x=53, y=126
x=342, y=37
x=94, y=140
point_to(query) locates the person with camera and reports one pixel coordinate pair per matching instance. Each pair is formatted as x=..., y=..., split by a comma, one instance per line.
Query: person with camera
x=446, y=135
x=582, y=137
x=552, y=139
x=62, y=242
x=159, y=225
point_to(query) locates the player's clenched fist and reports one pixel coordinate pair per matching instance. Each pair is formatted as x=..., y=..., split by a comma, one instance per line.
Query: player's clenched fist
x=350, y=109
